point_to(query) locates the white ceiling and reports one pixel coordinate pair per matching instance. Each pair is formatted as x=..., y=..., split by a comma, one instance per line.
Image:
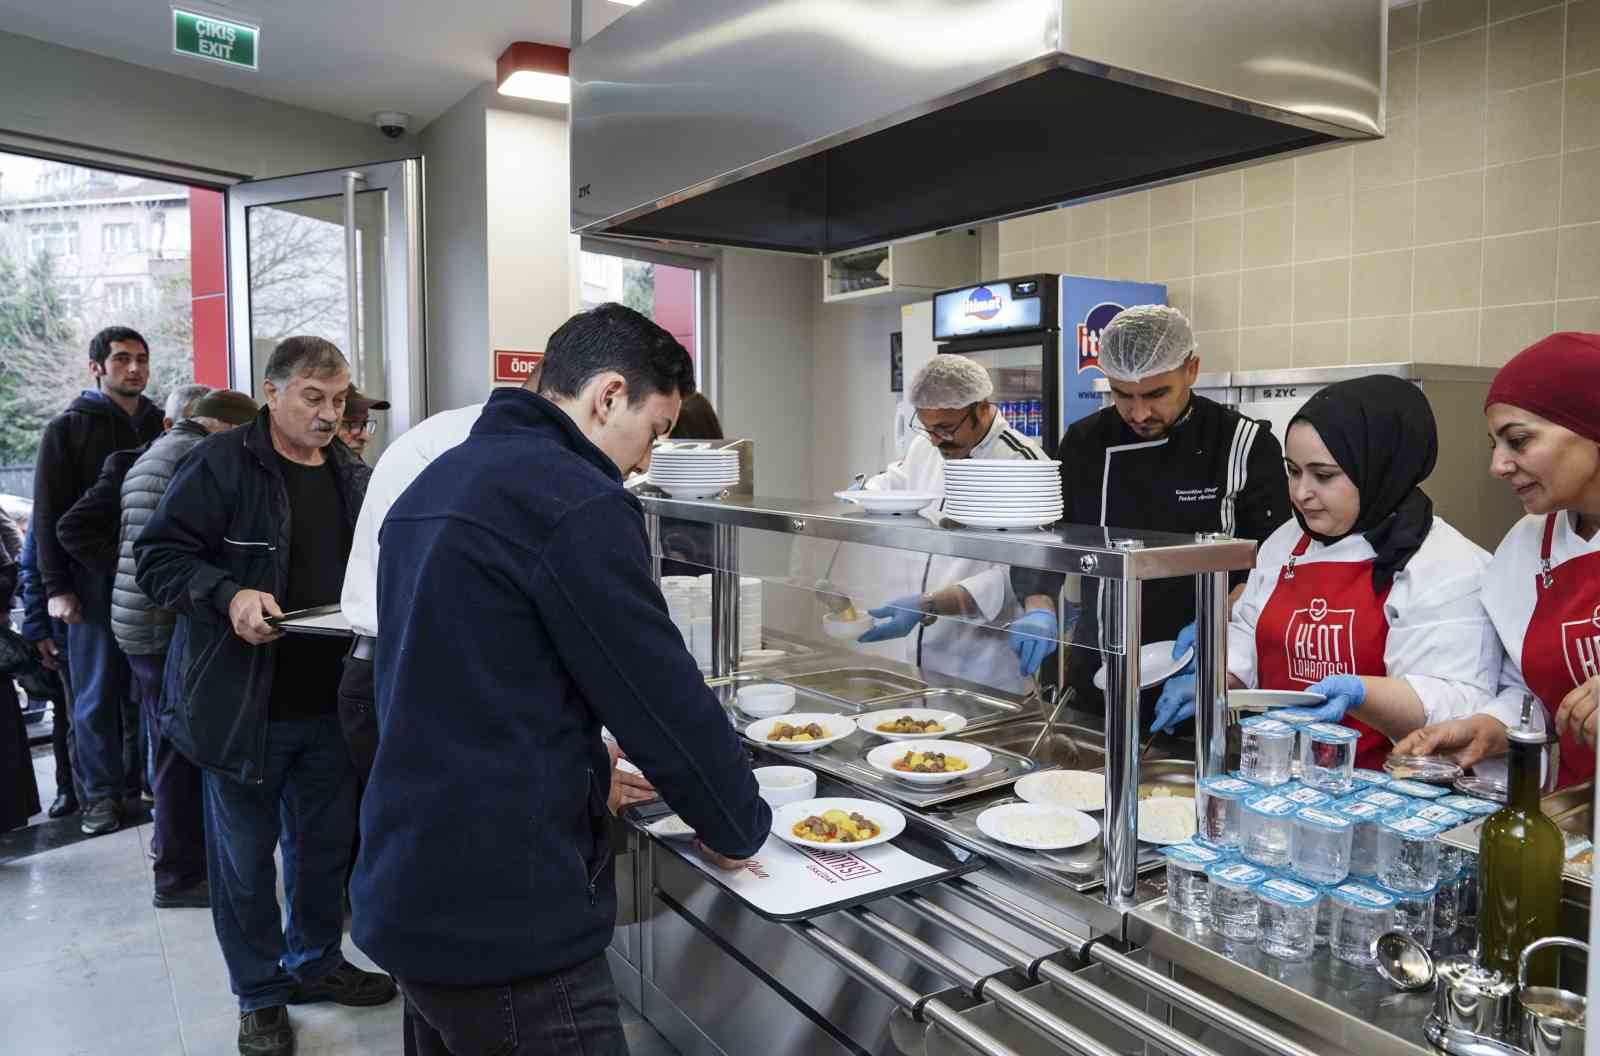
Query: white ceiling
x=346, y=57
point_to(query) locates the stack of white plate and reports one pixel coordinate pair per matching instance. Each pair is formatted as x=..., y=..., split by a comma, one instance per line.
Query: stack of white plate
x=693, y=473
x=1002, y=492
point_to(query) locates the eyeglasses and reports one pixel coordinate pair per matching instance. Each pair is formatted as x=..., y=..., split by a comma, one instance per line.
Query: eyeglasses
x=358, y=425
x=945, y=432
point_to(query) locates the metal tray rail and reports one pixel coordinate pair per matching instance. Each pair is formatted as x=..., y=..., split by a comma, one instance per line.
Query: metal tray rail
x=858, y=685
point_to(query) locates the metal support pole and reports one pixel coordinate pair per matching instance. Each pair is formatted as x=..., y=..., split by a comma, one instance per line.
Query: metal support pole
x=652, y=530
x=352, y=346
x=724, y=600
x=1211, y=667
x=1124, y=613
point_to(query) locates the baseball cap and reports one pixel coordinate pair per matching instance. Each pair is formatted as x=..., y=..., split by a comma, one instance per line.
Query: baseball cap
x=357, y=403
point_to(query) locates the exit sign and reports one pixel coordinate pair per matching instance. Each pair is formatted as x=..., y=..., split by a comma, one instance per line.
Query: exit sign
x=217, y=39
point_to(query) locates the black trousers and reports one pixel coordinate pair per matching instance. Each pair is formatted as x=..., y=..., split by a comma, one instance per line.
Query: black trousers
x=357, y=717
x=19, y=793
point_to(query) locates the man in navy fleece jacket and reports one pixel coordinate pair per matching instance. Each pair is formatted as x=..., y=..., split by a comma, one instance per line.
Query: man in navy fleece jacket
x=516, y=615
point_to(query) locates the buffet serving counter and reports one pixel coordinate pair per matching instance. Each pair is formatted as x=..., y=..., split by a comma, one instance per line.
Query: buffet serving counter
x=1024, y=952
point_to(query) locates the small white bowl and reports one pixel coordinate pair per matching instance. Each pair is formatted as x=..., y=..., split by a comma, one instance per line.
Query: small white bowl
x=765, y=699
x=847, y=629
x=785, y=784
x=882, y=759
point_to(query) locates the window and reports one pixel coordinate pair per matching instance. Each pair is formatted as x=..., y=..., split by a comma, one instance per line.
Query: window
x=122, y=296
x=58, y=240
x=119, y=238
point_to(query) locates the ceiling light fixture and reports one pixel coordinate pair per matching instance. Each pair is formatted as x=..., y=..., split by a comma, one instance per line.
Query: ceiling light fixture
x=534, y=71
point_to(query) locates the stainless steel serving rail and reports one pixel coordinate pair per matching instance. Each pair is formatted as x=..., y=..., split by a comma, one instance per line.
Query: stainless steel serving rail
x=1121, y=557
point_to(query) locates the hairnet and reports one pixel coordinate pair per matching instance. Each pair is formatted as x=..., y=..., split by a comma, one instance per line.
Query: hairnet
x=949, y=382
x=1145, y=340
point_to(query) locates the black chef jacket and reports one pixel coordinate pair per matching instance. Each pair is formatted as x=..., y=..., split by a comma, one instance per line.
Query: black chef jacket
x=1214, y=471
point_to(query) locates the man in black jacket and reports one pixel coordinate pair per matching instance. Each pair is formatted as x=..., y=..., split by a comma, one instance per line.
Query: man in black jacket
x=258, y=521
x=516, y=613
x=1159, y=459
x=113, y=417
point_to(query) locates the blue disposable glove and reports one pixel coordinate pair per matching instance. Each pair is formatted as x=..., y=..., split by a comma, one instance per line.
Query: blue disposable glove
x=900, y=617
x=1343, y=692
x=1185, y=643
x=1033, y=638
x=1176, y=703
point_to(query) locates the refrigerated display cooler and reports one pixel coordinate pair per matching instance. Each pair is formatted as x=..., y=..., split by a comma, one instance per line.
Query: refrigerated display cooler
x=1010, y=327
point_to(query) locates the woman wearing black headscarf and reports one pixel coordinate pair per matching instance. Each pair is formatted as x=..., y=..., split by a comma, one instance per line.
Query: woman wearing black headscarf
x=1365, y=597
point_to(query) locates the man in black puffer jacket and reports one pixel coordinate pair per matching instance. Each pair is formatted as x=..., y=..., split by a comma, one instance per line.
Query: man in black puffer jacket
x=258, y=521
x=114, y=417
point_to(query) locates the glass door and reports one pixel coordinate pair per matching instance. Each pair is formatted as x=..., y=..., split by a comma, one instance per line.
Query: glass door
x=338, y=255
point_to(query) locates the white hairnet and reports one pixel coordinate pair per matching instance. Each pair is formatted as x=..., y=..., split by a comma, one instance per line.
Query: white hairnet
x=1145, y=340
x=949, y=382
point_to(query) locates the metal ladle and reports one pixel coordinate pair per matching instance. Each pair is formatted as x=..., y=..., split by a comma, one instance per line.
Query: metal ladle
x=1404, y=963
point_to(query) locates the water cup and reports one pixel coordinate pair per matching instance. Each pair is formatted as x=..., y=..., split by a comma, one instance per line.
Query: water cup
x=1364, y=820
x=1413, y=914
x=1320, y=845
x=1235, y=913
x=1266, y=824
x=1288, y=913
x=1361, y=913
x=1408, y=853
x=1266, y=748
x=1188, y=887
x=1328, y=756
x=1217, y=809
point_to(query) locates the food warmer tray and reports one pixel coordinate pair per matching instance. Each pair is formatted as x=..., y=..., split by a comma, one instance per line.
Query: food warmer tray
x=952, y=859
x=857, y=685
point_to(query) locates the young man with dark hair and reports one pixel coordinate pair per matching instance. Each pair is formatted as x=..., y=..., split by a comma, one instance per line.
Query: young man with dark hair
x=113, y=416
x=484, y=880
x=257, y=521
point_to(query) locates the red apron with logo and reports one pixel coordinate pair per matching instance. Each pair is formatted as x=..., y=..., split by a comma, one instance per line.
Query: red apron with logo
x=1561, y=650
x=1325, y=619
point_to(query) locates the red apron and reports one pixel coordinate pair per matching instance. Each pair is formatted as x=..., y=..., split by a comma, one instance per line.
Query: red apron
x=1561, y=650
x=1325, y=619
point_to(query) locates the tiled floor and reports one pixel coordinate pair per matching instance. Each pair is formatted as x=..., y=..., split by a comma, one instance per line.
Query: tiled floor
x=88, y=967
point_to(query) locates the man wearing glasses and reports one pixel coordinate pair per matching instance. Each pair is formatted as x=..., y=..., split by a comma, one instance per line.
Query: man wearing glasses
x=955, y=612
x=357, y=425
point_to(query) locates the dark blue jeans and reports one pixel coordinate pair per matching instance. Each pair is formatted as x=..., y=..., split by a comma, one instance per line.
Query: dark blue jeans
x=569, y=1013
x=306, y=802
x=101, y=682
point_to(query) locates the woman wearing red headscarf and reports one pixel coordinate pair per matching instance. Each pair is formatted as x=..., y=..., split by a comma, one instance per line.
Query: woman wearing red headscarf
x=1542, y=589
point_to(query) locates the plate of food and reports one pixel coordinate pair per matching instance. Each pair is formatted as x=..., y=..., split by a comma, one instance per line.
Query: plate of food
x=1254, y=699
x=1037, y=827
x=670, y=827
x=1072, y=789
x=849, y=623
x=1164, y=820
x=910, y=724
x=800, y=731
x=837, y=823
x=929, y=762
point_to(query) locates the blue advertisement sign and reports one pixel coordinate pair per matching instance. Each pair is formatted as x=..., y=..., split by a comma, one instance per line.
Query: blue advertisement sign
x=1087, y=305
x=993, y=308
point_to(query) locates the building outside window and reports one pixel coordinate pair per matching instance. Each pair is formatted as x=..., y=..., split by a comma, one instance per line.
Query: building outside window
x=122, y=296
x=119, y=238
x=57, y=240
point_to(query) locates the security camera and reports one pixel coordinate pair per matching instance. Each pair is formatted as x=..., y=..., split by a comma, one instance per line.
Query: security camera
x=392, y=123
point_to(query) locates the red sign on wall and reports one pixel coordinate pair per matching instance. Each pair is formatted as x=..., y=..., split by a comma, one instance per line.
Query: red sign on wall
x=515, y=367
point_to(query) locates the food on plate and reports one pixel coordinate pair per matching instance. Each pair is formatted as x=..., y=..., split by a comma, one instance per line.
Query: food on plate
x=835, y=826
x=811, y=731
x=911, y=724
x=1039, y=828
x=929, y=763
x=1077, y=789
x=1160, y=790
x=1166, y=820
x=848, y=614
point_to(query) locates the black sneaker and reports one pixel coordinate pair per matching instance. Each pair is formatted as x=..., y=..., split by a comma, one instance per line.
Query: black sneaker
x=346, y=985
x=266, y=1032
x=66, y=803
x=195, y=896
x=101, y=817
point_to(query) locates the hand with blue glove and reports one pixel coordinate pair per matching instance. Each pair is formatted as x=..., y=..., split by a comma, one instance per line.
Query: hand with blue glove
x=1344, y=692
x=900, y=617
x=1176, y=703
x=1184, y=644
x=1033, y=638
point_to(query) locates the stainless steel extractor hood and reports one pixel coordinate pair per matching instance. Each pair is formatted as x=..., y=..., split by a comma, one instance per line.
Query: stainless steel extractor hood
x=819, y=125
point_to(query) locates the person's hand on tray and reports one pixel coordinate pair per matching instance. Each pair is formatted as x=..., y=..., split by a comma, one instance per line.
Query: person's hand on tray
x=627, y=786
x=718, y=860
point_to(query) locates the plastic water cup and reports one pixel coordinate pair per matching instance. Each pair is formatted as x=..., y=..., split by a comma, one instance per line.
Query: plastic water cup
x=1408, y=853
x=1361, y=913
x=1288, y=911
x=1368, y=779
x=1235, y=910
x=1414, y=914
x=1447, y=906
x=1266, y=825
x=1217, y=806
x=1417, y=789
x=1188, y=887
x=1325, y=916
x=1328, y=756
x=1320, y=843
x=1364, y=819
x=1266, y=748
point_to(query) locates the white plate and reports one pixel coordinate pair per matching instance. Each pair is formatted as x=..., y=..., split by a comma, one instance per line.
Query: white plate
x=695, y=477
x=989, y=824
x=890, y=821
x=1039, y=788
x=981, y=465
x=1002, y=509
x=1274, y=698
x=1156, y=665
x=958, y=492
x=1145, y=807
x=692, y=491
x=868, y=723
x=888, y=501
x=882, y=759
x=838, y=728
x=974, y=521
x=664, y=828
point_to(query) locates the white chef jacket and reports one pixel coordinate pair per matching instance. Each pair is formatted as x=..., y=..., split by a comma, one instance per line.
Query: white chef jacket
x=1440, y=638
x=402, y=462
x=1511, y=594
x=961, y=647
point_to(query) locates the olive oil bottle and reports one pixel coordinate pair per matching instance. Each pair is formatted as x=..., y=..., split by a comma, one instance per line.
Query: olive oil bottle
x=1521, y=855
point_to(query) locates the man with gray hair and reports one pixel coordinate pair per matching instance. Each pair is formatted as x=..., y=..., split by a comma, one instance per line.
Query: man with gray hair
x=959, y=609
x=258, y=521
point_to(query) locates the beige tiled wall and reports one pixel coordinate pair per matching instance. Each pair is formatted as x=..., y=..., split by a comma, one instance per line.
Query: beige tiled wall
x=1467, y=233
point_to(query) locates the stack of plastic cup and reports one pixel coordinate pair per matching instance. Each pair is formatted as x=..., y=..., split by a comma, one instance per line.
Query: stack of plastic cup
x=1288, y=915
x=1188, y=887
x=1361, y=913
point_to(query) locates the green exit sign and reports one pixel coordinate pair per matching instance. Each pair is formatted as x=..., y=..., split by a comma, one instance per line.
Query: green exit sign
x=217, y=39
